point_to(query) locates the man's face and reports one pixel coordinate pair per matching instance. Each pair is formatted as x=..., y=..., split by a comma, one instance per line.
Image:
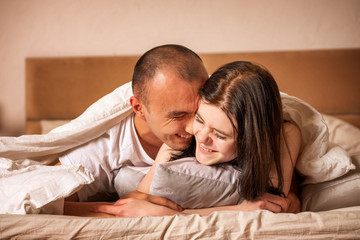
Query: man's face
x=172, y=104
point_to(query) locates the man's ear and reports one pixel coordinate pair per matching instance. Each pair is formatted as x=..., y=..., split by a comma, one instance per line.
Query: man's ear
x=137, y=106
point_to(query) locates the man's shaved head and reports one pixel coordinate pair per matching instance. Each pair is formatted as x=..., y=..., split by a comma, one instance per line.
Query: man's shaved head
x=183, y=62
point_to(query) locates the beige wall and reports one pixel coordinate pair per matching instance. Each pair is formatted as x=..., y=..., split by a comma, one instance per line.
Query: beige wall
x=31, y=28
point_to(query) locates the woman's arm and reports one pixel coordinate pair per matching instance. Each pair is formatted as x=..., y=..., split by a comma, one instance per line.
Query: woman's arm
x=163, y=155
x=144, y=185
x=290, y=144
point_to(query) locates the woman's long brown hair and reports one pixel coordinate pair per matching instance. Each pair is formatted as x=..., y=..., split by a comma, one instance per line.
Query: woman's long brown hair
x=248, y=94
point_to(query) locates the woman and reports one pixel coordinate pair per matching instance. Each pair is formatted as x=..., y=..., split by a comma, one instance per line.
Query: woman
x=240, y=121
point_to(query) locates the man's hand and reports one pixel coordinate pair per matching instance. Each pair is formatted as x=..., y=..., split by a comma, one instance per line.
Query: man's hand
x=138, y=204
x=82, y=209
x=153, y=199
x=133, y=207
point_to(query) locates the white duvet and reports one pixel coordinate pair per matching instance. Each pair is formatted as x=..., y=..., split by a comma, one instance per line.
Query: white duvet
x=28, y=185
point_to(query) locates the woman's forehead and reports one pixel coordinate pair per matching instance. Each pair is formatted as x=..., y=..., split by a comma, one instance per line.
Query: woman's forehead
x=214, y=117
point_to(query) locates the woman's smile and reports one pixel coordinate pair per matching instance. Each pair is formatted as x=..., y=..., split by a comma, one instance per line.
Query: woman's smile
x=214, y=135
x=204, y=148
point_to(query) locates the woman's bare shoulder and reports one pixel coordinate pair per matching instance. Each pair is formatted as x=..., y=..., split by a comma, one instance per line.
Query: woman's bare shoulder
x=292, y=135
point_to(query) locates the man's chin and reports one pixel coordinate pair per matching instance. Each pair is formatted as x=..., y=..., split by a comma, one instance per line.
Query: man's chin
x=179, y=146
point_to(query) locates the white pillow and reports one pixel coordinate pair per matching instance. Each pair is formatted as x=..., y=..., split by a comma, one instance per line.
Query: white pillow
x=338, y=193
x=343, y=191
x=319, y=159
x=193, y=185
x=344, y=134
x=185, y=182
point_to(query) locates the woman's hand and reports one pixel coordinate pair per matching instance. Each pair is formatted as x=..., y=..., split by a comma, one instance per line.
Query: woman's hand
x=270, y=202
x=165, y=153
x=278, y=204
x=294, y=203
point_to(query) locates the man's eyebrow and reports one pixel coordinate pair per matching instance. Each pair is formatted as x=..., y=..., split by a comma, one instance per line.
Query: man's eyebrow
x=176, y=113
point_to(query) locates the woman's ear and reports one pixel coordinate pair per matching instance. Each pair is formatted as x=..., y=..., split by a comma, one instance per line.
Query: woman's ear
x=137, y=106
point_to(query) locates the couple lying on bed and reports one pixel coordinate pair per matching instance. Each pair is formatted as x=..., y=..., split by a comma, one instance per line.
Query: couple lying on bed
x=236, y=119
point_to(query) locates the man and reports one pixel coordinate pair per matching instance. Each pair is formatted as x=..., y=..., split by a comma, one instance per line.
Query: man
x=173, y=93
x=165, y=85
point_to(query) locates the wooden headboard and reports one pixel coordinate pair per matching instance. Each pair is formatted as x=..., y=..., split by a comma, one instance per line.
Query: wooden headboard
x=63, y=87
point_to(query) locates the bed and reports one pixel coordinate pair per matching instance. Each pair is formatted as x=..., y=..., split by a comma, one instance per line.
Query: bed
x=59, y=89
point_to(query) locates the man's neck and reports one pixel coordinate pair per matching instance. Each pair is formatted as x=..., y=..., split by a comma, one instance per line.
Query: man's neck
x=148, y=141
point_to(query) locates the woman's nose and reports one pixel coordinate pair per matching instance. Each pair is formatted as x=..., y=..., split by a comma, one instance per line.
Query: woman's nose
x=202, y=135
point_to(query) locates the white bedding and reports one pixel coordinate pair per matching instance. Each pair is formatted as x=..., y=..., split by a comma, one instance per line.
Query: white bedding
x=42, y=188
x=319, y=161
x=336, y=224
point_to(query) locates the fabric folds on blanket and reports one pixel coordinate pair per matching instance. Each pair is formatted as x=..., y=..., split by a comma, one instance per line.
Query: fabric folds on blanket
x=99, y=117
x=319, y=161
x=33, y=188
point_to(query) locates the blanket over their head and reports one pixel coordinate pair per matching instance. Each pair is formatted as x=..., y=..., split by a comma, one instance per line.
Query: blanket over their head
x=319, y=161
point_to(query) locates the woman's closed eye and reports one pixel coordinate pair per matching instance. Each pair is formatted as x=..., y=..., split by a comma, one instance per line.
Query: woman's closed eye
x=219, y=136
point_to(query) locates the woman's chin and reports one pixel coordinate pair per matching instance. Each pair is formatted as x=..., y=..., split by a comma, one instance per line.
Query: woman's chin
x=203, y=160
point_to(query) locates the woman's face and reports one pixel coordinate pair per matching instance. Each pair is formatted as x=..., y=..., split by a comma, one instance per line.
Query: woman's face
x=214, y=133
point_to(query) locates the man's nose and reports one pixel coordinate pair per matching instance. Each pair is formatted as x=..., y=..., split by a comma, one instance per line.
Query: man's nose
x=189, y=126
